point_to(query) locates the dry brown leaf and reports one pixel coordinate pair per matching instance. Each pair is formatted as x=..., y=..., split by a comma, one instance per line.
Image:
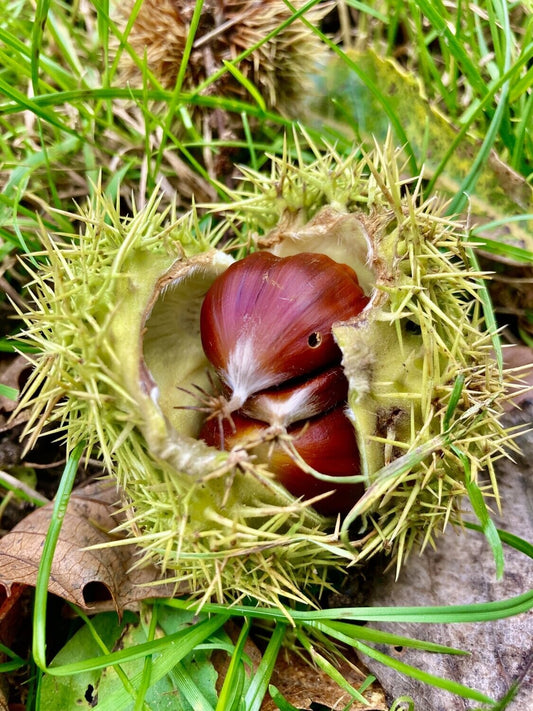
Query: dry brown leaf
x=13, y=374
x=512, y=183
x=303, y=685
x=92, y=579
x=4, y=694
x=11, y=613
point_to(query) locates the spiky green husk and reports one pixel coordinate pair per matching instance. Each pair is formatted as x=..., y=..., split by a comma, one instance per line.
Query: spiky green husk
x=111, y=310
x=426, y=388
x=116, y=323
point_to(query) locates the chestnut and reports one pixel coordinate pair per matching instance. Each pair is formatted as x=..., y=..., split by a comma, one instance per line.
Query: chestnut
x=268, y=319
x=326, y=443
x=299, y=400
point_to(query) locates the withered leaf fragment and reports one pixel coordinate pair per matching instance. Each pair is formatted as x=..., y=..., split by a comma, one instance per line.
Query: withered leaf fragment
x=94, y=580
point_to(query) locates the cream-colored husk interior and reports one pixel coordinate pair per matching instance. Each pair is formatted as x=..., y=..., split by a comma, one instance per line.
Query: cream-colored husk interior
x=172, y=346
x=339, y=235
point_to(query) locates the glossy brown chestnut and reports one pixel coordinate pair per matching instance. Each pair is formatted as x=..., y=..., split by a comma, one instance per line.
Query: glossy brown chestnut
x=327, y=443
x=268, y=319
x=299, y=400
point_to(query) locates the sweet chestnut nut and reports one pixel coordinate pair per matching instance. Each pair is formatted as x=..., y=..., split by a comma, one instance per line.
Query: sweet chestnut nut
x=268, y=319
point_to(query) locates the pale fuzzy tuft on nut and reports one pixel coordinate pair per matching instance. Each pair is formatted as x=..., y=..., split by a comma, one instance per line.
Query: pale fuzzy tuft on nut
x=116, y=323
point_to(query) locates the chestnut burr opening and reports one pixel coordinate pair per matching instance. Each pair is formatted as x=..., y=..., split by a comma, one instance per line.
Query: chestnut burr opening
x=276, y=314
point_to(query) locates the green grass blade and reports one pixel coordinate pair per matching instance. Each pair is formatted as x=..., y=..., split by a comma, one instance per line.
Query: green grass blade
x=477, y=612
x=403, y=700
x=247, y=84
x=501, y=248
x=509, y=539
x=488, y=311
x=8, y=392
x=22, y=102
x=280, y=701
x=11, y=483
x=175, y=100
x=480, y=509
x=467, y=186
x=327, y=667
x=184, y=682
x=483, y=105
x=171, y=650
x=175, y=647
x=454, y=399
x=347, y=631
x=407, y=670
x=230, y=694
x=259, y=684
x=191, y=35
x=459, y=201
x=20, y=176
x=439, y=21
x=18, y=57
x=374, y=89
x=7, y=667
x=523, y=135
x=45, y=565
x=41, y=16
x=147, y=668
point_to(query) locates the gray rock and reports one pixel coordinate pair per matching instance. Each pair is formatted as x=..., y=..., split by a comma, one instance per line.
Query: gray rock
x=462, y=571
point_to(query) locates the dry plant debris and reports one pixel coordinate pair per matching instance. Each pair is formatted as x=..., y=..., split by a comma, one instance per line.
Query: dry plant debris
x=94, y=579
